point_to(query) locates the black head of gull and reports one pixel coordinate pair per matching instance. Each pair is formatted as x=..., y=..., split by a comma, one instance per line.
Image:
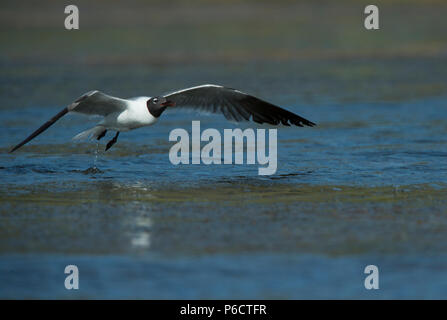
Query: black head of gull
x=157, y=105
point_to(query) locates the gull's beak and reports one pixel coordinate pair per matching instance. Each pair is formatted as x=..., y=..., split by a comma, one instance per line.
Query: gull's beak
x=168, y=104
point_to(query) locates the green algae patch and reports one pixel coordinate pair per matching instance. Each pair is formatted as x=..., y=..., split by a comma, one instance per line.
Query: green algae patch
x=232, y=194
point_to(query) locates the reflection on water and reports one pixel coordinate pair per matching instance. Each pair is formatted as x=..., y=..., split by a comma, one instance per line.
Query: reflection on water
x=141, y=239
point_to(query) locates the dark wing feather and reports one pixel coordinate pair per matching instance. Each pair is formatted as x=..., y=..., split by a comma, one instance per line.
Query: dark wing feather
x=234, y=105
x=41, y=129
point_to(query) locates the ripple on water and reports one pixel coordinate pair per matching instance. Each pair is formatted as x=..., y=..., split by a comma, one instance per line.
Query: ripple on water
x=90, y=171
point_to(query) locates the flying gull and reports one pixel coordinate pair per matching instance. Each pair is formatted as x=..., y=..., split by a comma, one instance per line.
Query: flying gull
x=128, y=114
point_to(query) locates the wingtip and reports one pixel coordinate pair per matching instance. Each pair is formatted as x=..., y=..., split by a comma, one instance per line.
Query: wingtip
x=304, y=122
x=309, y=123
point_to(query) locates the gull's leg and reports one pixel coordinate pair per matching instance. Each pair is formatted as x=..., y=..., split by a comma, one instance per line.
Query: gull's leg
x=113, y=141
x=101, y=135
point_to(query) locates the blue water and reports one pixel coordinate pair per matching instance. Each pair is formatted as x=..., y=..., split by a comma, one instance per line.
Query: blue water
x=363, y=187
x=251, y=276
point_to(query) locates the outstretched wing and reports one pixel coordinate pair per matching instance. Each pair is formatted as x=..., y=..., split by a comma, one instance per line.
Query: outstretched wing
x=97, y=103
x=93, y=102
x=234, y=105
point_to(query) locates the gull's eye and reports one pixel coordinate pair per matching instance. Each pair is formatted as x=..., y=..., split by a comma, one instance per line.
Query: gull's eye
x=155, y=100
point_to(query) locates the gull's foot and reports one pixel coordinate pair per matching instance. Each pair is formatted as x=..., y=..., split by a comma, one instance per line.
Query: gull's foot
x=101, y=135
x=113, y=141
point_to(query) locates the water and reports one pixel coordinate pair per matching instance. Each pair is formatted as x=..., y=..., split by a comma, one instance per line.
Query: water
x=365, y=186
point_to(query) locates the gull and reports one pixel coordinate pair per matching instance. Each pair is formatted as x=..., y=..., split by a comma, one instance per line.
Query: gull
x=122, y=115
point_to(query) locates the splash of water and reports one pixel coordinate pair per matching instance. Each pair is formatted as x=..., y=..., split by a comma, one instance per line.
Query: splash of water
x=94, y=169
x=95, y=161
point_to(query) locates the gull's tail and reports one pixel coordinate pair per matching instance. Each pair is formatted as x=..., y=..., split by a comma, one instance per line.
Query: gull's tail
x=92, y=133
